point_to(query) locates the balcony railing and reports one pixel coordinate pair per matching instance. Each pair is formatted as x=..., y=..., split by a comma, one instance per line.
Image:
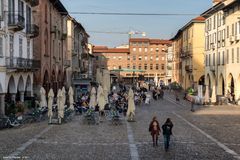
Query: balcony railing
x=22, y=63
x=16, y=21
x=188, y=68
x=32, y=30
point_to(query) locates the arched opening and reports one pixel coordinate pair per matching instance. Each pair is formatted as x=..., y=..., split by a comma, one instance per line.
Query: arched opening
x=46, y=83
x=231, y=84
x=20, y=90
x=54, y=82
x=238, y=88
x=201, y=80
x=221, y=86
x=59, y=79
x=11, y=90
x=28, y=87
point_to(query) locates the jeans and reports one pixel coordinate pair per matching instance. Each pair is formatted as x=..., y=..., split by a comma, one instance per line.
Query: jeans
x=166, y=141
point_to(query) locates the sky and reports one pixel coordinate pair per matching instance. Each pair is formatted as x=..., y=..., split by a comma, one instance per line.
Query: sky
x=161, y=27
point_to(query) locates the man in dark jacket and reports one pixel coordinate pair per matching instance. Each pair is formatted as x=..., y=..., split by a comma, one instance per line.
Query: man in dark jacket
x=167, y=132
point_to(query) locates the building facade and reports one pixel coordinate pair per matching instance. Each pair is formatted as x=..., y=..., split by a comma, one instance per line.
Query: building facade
x=219, y=50
x=16, y=50
x=51, y=45
x=149, y=55
x=169, y=64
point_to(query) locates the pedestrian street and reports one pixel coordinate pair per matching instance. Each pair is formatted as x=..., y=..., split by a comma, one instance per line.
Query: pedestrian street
x=208, y=133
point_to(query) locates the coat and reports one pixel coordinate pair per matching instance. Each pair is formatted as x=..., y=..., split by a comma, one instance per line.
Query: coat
x=151, y=128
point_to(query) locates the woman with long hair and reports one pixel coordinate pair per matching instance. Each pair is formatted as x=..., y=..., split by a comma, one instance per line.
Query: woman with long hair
x=167, y=132
x=154, y=129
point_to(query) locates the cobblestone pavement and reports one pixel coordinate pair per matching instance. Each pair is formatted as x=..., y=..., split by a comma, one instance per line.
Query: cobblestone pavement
x=210, y=132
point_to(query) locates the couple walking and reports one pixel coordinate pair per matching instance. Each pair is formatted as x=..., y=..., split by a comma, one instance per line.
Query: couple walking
x=154, y=129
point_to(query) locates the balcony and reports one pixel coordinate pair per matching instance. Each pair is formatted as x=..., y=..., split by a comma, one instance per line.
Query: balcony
x=16, y=22
x=32, y=30
x=67, y=63
x=188, y=68
x=22, y=64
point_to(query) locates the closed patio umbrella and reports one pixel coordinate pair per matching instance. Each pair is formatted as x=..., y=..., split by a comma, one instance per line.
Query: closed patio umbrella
x=60, y=105
x=70, y=94
x=43, y=102
x=93, y=102
x=50, y=103
x=131, y=105
x=100, y=98
x=64, y=96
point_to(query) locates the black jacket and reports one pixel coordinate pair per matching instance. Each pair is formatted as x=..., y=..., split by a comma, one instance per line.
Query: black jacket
x=167, y=128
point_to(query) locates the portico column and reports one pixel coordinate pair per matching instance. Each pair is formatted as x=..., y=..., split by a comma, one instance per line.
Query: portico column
x=22, y=96
x=2, y=104
x=13, y=97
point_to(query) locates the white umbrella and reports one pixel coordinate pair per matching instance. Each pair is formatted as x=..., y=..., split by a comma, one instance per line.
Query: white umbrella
x=71, y=101
x=64, y=96
x=60, y=105
x=50, y=103
x=100, y=98
x=131, y=105
x=156, y=80
x=206, y=97
x=92, y=102
x=43, y=102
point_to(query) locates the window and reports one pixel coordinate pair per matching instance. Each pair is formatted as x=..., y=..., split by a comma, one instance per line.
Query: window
x=214, y=22
x=218, y=59
x=1, y=9
x=11, y=10
x=1, y=47
x=114, y=57
x=151, y=66
x=163, y=58
x=145, y=66
x=21, y=8
x=28, y=49
x=20, y=47
x=227, y=56
x=139, y=66
x=157, y=66
x=227, y=31
x=120, y=58
x=157, y=58
x=213, y=59
x=162, y=66
x=134, y=49
x=238, y=55
x=28, y=18
x=128, y=66
x=140, y=58
x=114, y=67
x=223, y=58
x=145, y=58
x=145, y=49
x=140, y=49
x=134, y=66
x=128, y=57
x=157, y=49
x=232, y=55
x=151, y=58
x=233, y=29
x=206, y=60
x=151, y=49
x=46, y=11
x=134, y=58
x=119, y=67
x=11, y=44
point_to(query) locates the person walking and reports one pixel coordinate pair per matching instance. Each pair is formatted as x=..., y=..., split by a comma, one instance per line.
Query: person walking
x=167, y=132
x=154, y=129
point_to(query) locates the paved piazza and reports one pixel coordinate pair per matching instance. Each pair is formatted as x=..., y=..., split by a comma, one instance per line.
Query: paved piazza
x=209, y=133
